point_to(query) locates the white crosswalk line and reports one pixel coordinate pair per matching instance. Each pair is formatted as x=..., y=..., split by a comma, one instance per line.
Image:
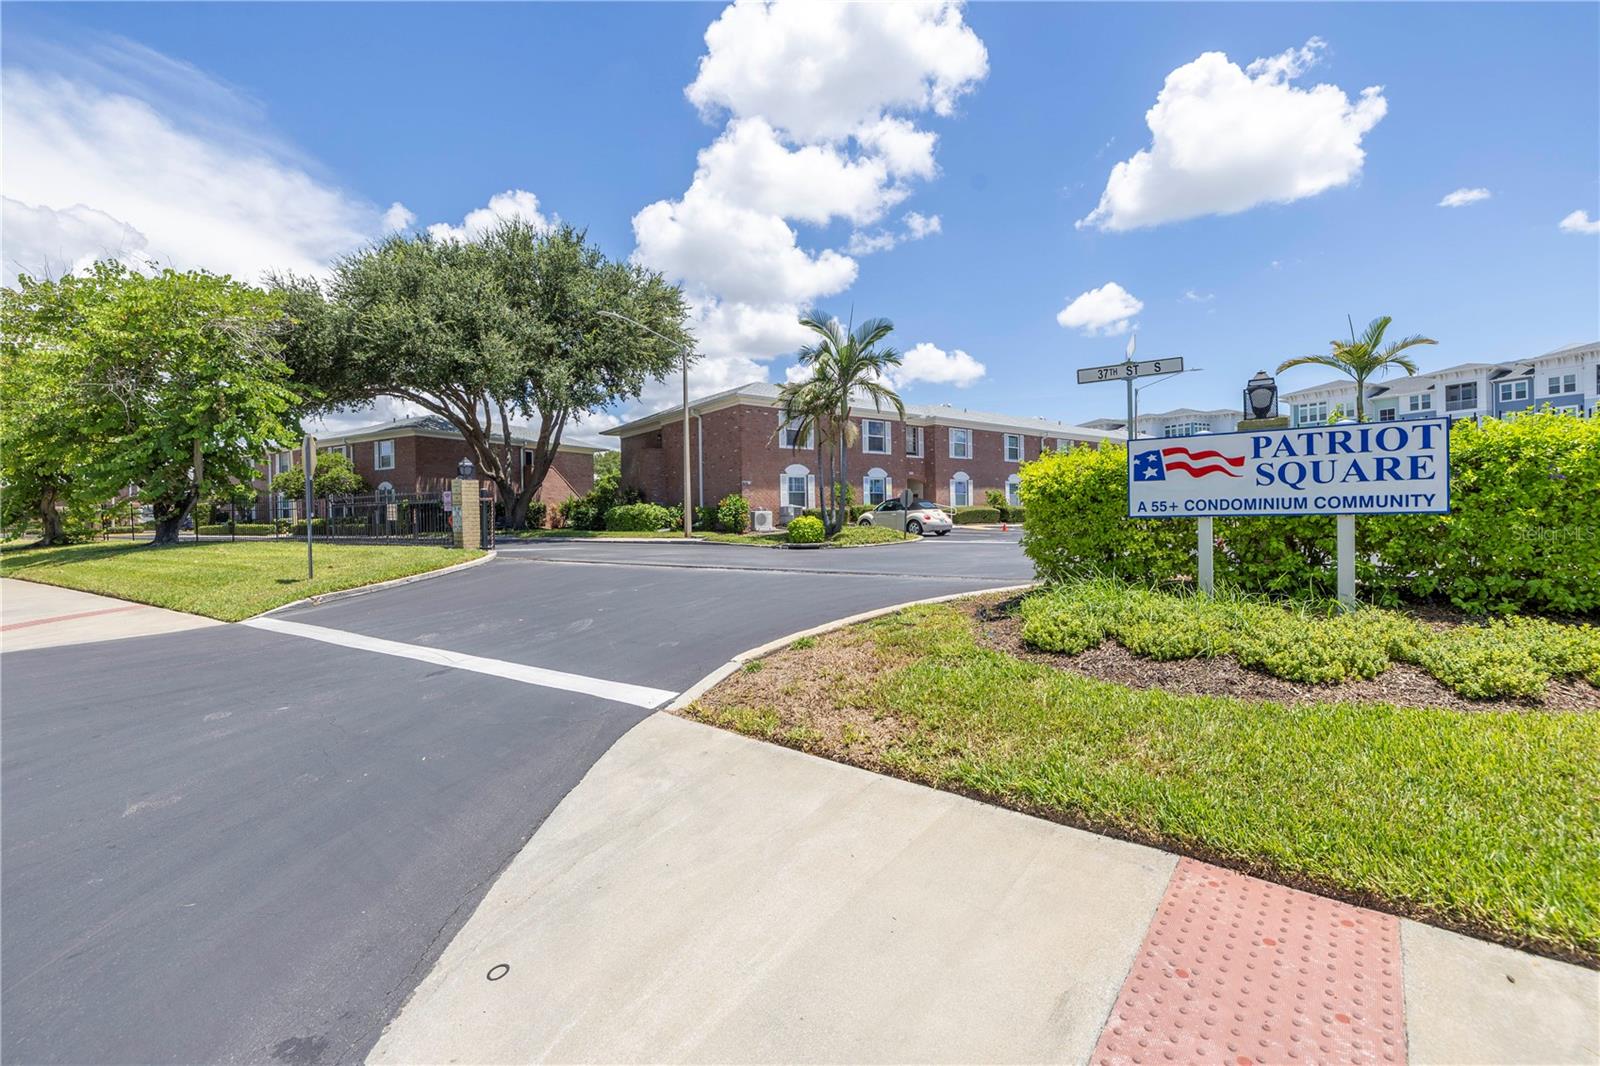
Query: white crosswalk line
x=620, y=692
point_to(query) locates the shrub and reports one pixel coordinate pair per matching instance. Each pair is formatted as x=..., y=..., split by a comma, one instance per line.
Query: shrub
x=805, y=529
x=967, y=516
x=589, y=510
x=1310, y=642
x=535, y=517
x=996, y=501
x=1522, y=533
x=733, y=514
x=638, y=518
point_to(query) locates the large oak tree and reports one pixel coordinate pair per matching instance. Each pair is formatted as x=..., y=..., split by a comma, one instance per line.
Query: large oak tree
x=485, y=333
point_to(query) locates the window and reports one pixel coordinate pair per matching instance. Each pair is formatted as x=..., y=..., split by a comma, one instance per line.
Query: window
x=1063, y=444
x=794, y=489
x=1419, y=401
x=875, y=436
x=914, y=441
x=1183, y=429
x=789, y=436
x=1462, y=397
x=383, y=455
x=385, y=492
x=1013, y=447
x=1386, y=414
x=960, y=491
x=961, y=444
x=874, y=487
x=1306, y=414
x=1512, y=391
x=1013, y=491
x=282, y=461
x=1563, y=383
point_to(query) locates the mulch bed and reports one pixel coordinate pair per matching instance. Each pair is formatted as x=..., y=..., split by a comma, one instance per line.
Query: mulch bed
x=1401, y=684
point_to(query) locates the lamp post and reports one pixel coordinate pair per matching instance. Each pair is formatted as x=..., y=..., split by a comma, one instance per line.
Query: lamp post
x=683, y=355
x=1134, y=409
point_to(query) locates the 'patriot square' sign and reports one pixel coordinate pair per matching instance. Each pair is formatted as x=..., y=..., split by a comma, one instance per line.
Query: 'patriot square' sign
x=1372, y=468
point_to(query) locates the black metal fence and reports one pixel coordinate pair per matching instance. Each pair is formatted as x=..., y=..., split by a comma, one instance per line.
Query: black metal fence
x=384, y=518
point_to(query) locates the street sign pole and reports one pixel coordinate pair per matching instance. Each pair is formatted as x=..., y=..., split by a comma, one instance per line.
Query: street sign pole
x=1133, y=341
x=308, y=457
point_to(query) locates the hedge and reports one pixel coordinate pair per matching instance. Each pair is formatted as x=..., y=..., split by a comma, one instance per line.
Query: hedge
x=1523, y=533
x=967, y=516
x=243, y=529
x=639, y=518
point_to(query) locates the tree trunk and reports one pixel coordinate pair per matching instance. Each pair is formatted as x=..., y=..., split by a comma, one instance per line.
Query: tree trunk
x=168, y=526
x=51, y=531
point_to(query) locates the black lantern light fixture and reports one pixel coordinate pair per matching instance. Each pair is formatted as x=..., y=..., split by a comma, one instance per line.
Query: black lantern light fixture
x=464, y=468
x=1261, y=396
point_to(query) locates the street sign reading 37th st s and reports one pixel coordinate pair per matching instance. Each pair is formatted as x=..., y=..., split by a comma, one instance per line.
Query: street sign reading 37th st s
x=1372, y=468
x=1145, y=368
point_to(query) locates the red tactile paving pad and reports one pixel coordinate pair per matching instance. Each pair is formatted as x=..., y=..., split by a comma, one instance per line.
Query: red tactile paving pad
x=1237, y=970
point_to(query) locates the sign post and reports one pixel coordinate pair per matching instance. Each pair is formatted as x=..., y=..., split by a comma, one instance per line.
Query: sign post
x=1126, y=372
x=308, y=462
x=1345, y=470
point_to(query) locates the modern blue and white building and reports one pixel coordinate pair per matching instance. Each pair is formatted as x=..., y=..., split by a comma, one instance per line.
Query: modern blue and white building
x=1567, y=379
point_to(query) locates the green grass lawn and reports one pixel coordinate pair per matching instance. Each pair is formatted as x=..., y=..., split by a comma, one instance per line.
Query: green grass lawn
x=218, y=579
x=849, y=537
x=1484, y=821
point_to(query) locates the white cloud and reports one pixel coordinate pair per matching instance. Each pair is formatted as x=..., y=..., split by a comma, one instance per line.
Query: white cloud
x=748, y=166
x=820, y=71
x=1108, y=310
x=1193, y=297
x=1463, y=197
x=48, y=243
x=1224, y=140
x=1580, y=222
x=131, y=152
x=398, y=217
x=511, y=205
x=936, y=366
x=919, y=225
x=820, y=102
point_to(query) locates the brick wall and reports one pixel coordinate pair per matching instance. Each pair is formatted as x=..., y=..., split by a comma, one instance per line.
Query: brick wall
x=738, y=450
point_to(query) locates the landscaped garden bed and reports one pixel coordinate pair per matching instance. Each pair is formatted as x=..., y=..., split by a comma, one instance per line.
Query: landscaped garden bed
x=1479, y=815
x=222, y=579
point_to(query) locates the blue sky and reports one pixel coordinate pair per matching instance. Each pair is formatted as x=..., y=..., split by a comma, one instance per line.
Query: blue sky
x=246, y=137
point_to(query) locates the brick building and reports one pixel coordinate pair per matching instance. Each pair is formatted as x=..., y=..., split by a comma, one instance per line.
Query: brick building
x=421, y=455
x=737, y=444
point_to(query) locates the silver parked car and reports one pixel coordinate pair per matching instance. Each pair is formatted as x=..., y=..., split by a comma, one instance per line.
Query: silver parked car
x=923, y=516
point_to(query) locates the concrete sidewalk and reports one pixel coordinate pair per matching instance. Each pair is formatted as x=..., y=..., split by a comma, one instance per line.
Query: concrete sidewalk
x=703, y=897
x=33, y=615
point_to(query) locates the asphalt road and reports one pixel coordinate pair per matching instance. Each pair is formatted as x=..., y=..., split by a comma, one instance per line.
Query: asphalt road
x=235, y=845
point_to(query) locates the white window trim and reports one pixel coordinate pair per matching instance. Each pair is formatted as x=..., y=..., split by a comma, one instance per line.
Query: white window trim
x=960, y=455
x=921, y=437
x=1014, y=491
x=1006, y=450
x=377, y=454
x=888, y=441
x=792, y=471
x=803, y=444
x=1508, y=390
x=876, y=474
x=960, y=478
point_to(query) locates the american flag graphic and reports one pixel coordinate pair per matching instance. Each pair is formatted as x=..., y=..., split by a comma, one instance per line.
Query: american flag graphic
x=1152, y=465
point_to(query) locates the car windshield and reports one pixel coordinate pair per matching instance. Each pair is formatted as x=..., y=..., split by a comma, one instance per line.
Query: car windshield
x=925, y=505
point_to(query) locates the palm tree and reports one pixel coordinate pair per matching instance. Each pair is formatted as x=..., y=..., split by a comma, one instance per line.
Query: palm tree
x=847, y=365
x=1364, y=356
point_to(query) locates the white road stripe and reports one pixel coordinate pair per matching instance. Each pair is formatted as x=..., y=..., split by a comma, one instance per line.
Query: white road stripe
x=637, y=695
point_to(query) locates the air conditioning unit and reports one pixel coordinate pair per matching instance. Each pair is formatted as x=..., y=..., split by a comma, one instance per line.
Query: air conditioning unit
x=788, y=514
x=761, y=521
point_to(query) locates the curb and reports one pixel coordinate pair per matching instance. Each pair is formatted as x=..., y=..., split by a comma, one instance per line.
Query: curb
x=760, y=651
x=344, y=594
x=608, y=540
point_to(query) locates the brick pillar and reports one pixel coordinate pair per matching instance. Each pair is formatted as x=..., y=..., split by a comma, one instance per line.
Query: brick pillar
x=466, y=517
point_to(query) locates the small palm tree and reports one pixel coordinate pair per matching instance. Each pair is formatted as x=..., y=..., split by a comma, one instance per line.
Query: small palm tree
x=1363, y=356
x=846, y=365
